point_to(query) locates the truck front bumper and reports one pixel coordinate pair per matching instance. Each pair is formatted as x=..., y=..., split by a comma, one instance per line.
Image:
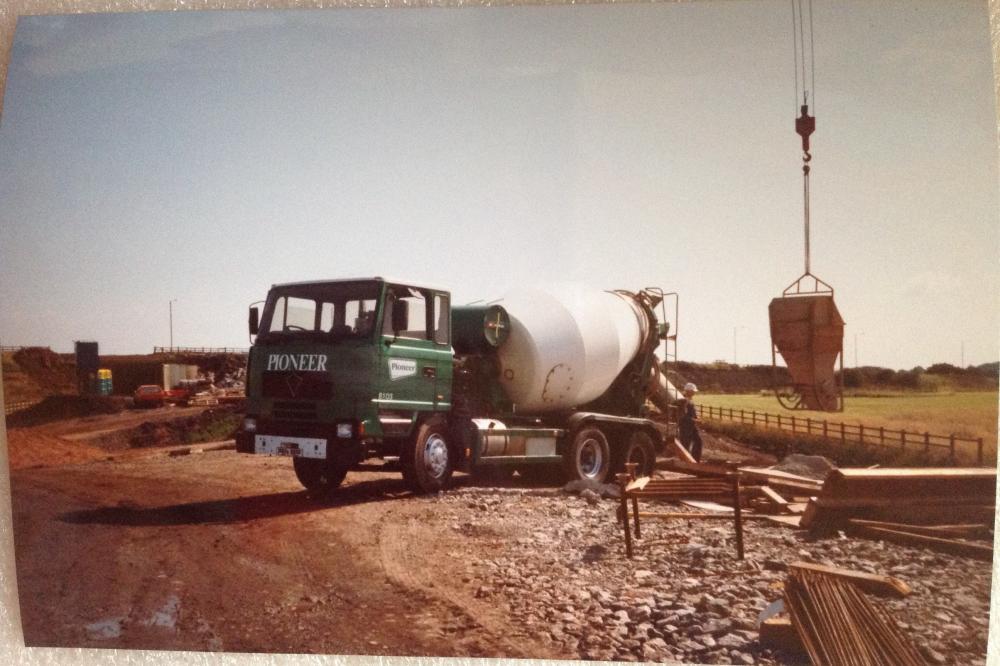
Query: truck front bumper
x=300, y=445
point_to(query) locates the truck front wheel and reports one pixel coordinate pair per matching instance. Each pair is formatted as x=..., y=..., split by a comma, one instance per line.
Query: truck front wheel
x=588, y=456
x=428, y=462
x=320, y=476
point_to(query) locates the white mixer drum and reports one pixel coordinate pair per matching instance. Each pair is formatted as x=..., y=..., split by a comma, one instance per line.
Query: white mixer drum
x=567, y=344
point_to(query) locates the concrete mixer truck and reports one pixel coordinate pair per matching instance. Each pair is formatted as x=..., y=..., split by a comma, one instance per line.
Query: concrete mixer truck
x=548, y=382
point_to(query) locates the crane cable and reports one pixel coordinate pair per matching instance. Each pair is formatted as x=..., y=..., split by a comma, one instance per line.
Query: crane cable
x=805, y=124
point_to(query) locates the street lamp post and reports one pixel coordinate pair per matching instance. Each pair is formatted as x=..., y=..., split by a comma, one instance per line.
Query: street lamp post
x=172, y=301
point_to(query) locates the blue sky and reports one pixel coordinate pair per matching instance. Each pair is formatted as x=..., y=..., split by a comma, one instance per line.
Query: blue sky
x=202, y=156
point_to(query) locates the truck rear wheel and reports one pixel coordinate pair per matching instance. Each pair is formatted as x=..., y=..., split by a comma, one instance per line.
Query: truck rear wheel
x=428, y=461
x=319, y=476
x=639, y=450
x=588, y=456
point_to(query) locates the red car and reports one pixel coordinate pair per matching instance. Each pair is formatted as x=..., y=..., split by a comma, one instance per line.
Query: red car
x=152, y=395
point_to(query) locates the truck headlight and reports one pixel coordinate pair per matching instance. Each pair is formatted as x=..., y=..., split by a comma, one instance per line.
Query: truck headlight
x=345, y=430
x=249, y=424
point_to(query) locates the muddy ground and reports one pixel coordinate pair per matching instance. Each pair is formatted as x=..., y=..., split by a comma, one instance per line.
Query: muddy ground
x=223, y=551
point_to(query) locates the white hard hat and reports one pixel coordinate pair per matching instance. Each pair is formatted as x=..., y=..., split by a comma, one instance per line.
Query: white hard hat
x=690, y=388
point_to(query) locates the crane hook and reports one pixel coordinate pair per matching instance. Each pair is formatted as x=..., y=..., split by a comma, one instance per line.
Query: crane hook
x=804, y=126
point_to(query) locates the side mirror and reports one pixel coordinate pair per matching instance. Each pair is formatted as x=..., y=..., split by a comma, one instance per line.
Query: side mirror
x=254, y=321
x=400, y=315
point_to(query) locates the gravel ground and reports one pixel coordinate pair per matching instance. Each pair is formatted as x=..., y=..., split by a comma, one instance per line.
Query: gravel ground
x=561, y=575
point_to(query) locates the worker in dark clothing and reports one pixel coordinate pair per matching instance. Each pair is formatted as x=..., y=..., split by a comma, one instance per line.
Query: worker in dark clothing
x=686, y=426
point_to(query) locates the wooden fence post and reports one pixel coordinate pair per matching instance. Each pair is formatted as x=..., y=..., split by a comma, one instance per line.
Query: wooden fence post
x=767, y=418
x=902, y=439
x=753, y=417
x=809, y=426
x=741, y=417
x=979, y=451
x=843, y=437
x=881, y=435
x=951, y=445
x=793, y=423
x=825, y=434
x=861, y=434
x=927, y=442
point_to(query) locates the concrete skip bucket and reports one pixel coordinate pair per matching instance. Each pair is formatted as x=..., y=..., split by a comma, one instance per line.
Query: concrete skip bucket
x=808, y=332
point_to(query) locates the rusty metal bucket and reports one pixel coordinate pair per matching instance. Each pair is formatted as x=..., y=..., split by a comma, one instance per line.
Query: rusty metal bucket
x=808, y=332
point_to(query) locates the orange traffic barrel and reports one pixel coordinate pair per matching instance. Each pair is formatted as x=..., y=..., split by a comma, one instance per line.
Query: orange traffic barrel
x=808, y=332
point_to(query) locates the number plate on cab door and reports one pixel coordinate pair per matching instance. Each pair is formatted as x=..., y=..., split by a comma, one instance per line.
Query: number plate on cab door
x=298, y=447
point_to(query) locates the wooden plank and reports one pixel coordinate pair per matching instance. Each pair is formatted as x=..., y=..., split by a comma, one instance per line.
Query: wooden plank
x=882, y=473
x=968, y=549
x=779, y=633
x=883, y=586
x=768, y=473
x=638, y=484
x=857, y=501
x=708, y=506
x=680, y=493
x=767, y=492
x=966, y=530
x=701, y=515
x=796, y=507
x=811, y=515
x=895, y=482
x=789, y=484
x=679, y=451
x=700, y=469
x=786, y=521
x=688, y=482
x=903, y=510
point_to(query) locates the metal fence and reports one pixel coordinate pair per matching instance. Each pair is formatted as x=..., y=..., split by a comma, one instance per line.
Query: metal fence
x=199, y=350
x=845, y=433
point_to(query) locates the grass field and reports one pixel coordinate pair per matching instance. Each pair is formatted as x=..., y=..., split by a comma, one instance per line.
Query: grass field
x=964, y=414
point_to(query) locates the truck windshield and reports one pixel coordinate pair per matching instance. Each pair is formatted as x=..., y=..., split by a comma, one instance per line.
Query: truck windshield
x=322, y=311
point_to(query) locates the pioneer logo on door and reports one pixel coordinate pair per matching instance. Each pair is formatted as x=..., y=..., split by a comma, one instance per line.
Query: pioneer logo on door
x=304, y=362
x=402, y=367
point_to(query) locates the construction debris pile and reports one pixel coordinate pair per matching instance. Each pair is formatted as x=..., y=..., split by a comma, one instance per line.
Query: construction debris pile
x=698, y=587
x=838, y=624
x=949, y=510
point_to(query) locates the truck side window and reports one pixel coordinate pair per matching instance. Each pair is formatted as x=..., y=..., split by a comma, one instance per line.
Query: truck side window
x=442, y=310
x=359, y=316
x=326, y=317
x=416, y=326
x=300, y=314
x=278, y=316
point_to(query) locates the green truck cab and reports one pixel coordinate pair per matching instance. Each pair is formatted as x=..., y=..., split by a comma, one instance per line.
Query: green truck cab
x=343, y=370
x=346, y=370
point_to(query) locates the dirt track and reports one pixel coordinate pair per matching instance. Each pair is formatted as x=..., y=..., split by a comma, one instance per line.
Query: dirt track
x=221, y=551
x=225, y=551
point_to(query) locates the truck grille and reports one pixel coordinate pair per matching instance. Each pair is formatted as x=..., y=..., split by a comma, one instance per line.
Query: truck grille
x=297, y=385
x=294, y=411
